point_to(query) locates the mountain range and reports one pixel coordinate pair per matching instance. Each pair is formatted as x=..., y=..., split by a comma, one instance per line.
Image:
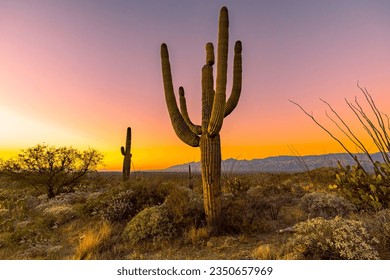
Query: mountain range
x=280, y=163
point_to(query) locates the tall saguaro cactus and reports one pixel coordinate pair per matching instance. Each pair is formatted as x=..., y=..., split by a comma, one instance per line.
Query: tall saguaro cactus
x=127, y=156
x=214, y=109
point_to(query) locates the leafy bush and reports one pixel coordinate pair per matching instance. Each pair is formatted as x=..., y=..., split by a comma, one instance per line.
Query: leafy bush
x=326, y=205
x=365, y=190
x=151, y=224
x=338, y=238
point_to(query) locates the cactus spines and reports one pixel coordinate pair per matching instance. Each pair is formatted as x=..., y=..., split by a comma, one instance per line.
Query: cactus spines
x=127, y=156
x=214, y=109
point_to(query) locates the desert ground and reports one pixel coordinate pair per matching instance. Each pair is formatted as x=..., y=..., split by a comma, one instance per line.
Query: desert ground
x=160, y=215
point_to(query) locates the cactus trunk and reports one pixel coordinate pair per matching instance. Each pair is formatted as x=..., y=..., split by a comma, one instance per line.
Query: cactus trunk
x=214, y=109
x=210, y=148
x=126, y=156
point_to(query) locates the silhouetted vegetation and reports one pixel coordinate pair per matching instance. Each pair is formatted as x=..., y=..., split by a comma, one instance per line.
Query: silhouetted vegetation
x=126, y=152
x=50, y=169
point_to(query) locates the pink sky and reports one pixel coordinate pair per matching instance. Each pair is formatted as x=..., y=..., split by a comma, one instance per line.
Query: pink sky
x=80, y=72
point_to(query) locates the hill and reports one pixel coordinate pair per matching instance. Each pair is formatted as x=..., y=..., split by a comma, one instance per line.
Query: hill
x=279, y=163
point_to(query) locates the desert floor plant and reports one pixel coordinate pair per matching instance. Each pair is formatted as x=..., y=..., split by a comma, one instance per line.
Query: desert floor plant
x=214, y=109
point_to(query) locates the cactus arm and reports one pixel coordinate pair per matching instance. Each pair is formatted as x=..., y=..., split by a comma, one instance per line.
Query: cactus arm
x=210, y=54
x=218, y=110
x=237, y=80
x=179, y=125
x=123, y=151
x=197, y=129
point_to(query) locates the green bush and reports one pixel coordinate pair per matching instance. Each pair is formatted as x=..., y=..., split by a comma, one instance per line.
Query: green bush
x=365, y=190
x=151, y=224
x=338, y=238
x=326, y=205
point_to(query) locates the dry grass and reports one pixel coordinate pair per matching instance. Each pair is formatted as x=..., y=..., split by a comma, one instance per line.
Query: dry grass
x=265, y=252
x=91, y=241
x=196, y=236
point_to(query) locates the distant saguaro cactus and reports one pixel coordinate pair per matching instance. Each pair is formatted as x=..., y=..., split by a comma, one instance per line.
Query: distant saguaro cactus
x=127, y=156
x=190, y=179
x=214, y=109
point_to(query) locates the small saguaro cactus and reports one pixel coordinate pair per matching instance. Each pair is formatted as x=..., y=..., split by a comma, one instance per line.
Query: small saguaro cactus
x=127, y=156
x=214, y=109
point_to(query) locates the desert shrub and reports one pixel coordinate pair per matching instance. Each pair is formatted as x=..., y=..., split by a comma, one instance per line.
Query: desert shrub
x=378, y=226
x=120, y=208
x=236, y=185
x=271, y=199
x=121, y=205
x=326, y=205
x=151, y=224
x=234, y=218
x=185, y=207
x=30, y=233
x=242, y=214
x=149, y=194
x=365, y=190
x=338, y=238
x=60, y=214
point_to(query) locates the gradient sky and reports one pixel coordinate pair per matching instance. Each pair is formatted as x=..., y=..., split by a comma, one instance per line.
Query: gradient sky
x=80, y=72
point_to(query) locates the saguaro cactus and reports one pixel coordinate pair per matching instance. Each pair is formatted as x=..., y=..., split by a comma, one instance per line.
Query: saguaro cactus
x=214, y=109
x=127, y=156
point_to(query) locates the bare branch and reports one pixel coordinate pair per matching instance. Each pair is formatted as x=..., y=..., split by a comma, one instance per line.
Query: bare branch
x=331, y=135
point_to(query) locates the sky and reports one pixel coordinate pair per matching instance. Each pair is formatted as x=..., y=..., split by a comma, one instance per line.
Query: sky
x=78, y=73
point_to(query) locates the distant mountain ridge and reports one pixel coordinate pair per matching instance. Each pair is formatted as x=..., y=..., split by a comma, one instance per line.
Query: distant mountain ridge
x=280, y=163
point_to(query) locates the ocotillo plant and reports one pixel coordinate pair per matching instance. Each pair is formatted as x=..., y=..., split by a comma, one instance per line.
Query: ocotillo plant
x=214, y=109
x=127, y=156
